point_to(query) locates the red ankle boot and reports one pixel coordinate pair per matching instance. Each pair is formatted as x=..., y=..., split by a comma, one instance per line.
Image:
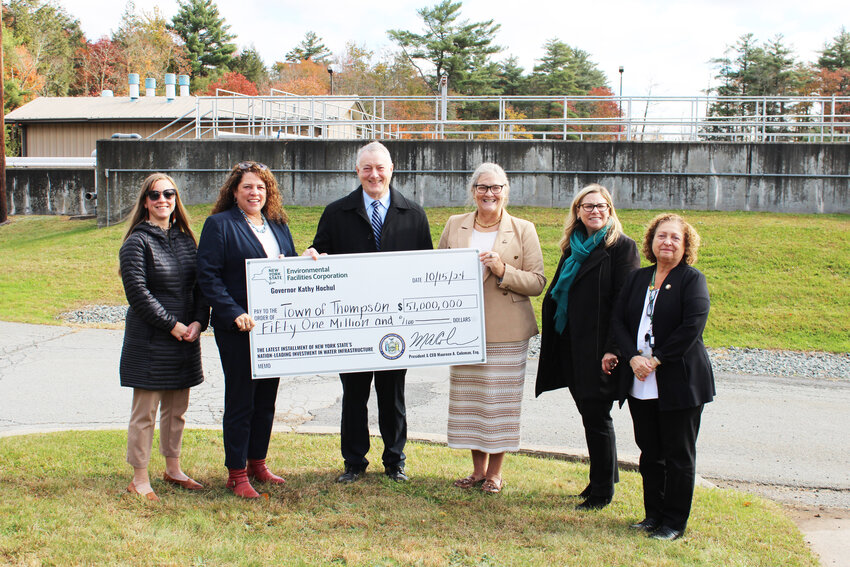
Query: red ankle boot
x=258, y=471
x=238, y=482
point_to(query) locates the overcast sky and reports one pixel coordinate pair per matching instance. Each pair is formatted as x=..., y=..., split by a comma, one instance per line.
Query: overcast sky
x=662, y=44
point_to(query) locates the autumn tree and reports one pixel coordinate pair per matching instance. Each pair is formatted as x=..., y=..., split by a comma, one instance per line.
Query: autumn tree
x=302, y=78
x=149, y=47
x=452, y=47
x=51, y=37
x=102, y=65
x=233, y=82
x=831, y=77
x=311, y=47
x=21, y=78
x=204, y=35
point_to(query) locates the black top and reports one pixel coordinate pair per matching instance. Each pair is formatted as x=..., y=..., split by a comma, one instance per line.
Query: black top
x=685, y=378
x=573, y=359
x=226, y=242
x=158, y=269
x=345, y=228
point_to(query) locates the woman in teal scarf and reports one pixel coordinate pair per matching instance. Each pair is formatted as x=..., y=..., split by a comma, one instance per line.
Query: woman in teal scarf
x=576, y=349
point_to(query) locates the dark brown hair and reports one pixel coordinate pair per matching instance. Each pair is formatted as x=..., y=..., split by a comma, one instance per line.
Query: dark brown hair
x=272, y=210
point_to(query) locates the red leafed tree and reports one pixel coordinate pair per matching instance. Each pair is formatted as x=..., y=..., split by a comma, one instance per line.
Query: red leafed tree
x=607, y=108
x=233, y=82
x=828, y=83
x=101, y=66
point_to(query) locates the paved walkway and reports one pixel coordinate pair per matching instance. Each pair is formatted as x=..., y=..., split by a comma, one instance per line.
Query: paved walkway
x=781, y=437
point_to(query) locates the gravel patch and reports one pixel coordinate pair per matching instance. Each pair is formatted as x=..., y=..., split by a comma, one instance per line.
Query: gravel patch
x=730, y=360
x=763, y=362
x=90, y=314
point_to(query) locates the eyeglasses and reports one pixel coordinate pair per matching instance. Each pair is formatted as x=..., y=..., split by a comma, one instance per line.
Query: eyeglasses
x=155, y=195
x=494, y=189
x=588, y=207
x=246, y=165
x=650, y=305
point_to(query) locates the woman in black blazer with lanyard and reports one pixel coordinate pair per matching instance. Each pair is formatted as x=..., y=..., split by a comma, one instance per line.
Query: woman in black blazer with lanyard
x=658, y=324
x=247, y=221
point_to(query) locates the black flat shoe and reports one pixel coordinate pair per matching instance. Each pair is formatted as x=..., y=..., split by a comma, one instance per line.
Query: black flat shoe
x=646, y=525
x=396, y=474
x=594, y=503
x=350, y=475
x=666, y=533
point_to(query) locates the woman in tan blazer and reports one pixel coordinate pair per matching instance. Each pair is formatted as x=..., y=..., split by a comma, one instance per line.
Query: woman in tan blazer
x=485, y=399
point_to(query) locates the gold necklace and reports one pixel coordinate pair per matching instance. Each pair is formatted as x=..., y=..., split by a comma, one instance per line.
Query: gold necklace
x=498, y=220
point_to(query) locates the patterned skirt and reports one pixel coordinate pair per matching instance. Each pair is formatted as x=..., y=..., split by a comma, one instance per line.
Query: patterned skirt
x=485, y=400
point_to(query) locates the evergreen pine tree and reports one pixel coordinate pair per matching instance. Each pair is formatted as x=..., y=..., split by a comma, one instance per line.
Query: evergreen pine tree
x=204, y=35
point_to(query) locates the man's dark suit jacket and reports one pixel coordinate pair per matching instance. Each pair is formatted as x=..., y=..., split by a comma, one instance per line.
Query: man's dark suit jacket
x=345, y=227
x=685, y=378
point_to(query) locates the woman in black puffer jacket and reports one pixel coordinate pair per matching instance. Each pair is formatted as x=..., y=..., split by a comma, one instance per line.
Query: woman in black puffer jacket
x=161, y=357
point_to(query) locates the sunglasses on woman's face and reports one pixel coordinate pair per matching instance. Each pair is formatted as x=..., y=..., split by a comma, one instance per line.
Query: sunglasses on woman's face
x=246, y=165
x=168, y=194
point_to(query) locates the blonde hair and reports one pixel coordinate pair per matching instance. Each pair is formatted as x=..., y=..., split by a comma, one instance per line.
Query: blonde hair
x=179, y=218
x=495, y=170
x=692, y=239
x=573, y=221
x=272, y=210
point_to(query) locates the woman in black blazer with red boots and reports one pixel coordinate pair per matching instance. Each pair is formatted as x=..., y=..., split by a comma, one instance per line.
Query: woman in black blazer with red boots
x=248, y=221
x=658, y=324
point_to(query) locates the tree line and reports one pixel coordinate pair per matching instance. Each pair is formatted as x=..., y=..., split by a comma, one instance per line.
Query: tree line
x=751, y=68
x=47, y=54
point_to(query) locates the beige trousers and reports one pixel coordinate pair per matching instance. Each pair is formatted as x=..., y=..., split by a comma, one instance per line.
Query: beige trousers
x=172, y=409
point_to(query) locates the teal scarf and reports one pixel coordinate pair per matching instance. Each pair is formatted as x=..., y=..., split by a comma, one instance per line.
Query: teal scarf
x=580, y=248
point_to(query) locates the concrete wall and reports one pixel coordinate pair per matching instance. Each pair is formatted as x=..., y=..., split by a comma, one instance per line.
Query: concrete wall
x=49, y=191
x=779, y=177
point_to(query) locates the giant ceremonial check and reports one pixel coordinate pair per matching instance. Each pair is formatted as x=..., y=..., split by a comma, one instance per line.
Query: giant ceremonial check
x=355, y=312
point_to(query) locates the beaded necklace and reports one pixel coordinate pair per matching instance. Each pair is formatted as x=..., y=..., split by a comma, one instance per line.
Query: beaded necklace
x=260, y=230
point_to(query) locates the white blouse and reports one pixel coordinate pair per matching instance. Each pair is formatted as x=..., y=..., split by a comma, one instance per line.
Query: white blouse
x=648, y=388
x=269, y=242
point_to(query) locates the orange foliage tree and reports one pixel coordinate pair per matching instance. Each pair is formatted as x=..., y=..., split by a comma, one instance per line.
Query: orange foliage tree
x=305, y=77
x=233, y=82
x=826, y=82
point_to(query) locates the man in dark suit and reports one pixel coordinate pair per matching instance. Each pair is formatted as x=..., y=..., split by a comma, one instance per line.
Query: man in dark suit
x=372, y=218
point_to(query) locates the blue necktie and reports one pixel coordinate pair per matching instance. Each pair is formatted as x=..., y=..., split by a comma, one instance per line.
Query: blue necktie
x=377, y=223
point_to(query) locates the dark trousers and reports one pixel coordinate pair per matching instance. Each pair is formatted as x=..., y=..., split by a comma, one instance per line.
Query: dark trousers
x=248, y=404
x=601, y=445
x=668, y=450
x=392, y=417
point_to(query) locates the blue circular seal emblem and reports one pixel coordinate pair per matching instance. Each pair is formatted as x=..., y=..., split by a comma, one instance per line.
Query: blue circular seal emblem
x=391, y=346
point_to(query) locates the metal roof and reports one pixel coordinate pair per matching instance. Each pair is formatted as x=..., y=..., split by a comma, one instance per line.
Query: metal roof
x=158, y=108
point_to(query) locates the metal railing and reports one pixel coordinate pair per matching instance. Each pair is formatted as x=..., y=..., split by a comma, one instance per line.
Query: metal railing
x=701, y=118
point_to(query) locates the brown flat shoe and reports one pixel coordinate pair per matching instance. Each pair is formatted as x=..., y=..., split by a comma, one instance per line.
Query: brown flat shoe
x=150, y=495
x=188, y=484
x=490, y=486
x=468, y=482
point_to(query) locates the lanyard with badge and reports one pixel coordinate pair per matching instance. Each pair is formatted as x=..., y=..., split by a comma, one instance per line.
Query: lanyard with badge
x=649, y=338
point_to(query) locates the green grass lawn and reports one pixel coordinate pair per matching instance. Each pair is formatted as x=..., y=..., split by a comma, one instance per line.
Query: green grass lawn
x=62, y=502
x=776, y=280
